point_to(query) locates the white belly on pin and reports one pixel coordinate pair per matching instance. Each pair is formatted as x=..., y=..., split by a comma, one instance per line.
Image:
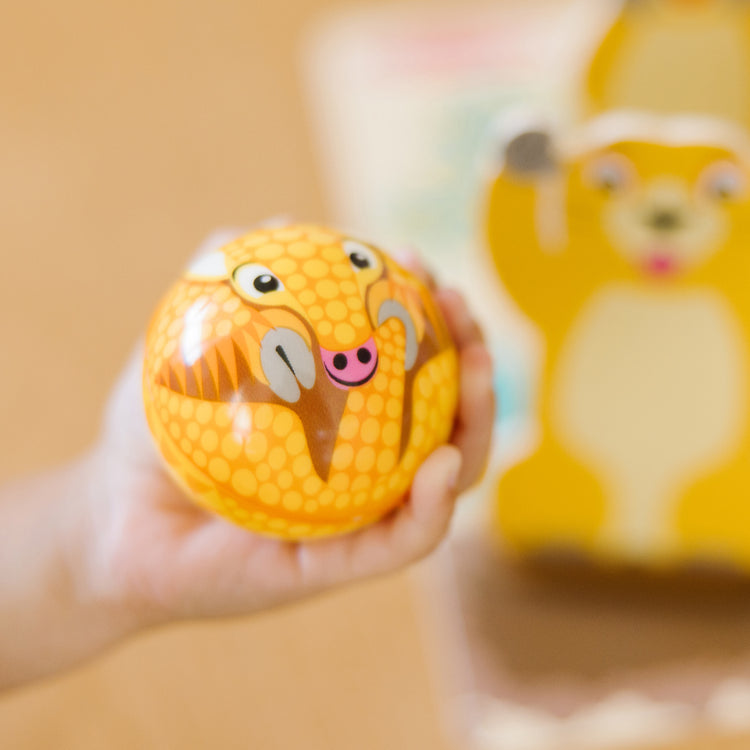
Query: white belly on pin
x=649, y=393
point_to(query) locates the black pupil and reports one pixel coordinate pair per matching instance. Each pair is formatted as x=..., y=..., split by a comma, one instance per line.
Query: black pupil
x=359, y=260
x=266, y=283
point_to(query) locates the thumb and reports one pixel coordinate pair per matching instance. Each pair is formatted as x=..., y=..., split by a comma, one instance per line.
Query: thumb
x=424, y=520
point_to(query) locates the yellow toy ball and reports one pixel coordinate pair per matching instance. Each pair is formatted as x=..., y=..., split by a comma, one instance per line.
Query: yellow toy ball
x=295, y=379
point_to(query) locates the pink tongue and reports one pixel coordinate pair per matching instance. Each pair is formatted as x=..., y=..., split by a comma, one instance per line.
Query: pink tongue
x=660, y=264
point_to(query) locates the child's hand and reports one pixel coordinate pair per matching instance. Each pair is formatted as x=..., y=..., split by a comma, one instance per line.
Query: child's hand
x=168, y=558
x=108, y=544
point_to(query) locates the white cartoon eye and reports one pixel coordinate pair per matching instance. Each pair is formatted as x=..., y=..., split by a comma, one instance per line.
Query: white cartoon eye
x=360, y=257
x=723, y=181
x=255, y=280
x=610, y=173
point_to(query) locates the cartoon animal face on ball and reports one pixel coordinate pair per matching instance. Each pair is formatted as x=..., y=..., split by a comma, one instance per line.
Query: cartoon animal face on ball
x=668, y=200
x=300, y=345
x=335, y=298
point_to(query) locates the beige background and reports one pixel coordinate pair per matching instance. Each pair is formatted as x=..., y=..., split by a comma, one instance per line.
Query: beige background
x=127, y=131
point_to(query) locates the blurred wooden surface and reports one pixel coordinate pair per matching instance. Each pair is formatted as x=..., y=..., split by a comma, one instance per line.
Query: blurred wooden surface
x=128, y=130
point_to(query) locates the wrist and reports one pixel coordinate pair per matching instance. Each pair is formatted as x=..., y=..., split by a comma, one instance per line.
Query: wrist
x=97, y=586
x=55, y=611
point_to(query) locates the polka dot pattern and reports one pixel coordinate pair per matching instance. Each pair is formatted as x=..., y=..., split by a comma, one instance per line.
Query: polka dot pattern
x=249, y=461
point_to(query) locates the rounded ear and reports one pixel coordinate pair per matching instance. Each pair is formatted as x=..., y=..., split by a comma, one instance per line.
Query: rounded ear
x=530, y=153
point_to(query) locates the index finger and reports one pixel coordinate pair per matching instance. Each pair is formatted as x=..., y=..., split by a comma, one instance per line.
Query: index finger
x=475, y=417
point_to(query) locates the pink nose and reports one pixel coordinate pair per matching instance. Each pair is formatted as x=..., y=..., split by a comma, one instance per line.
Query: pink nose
x=353, y=367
